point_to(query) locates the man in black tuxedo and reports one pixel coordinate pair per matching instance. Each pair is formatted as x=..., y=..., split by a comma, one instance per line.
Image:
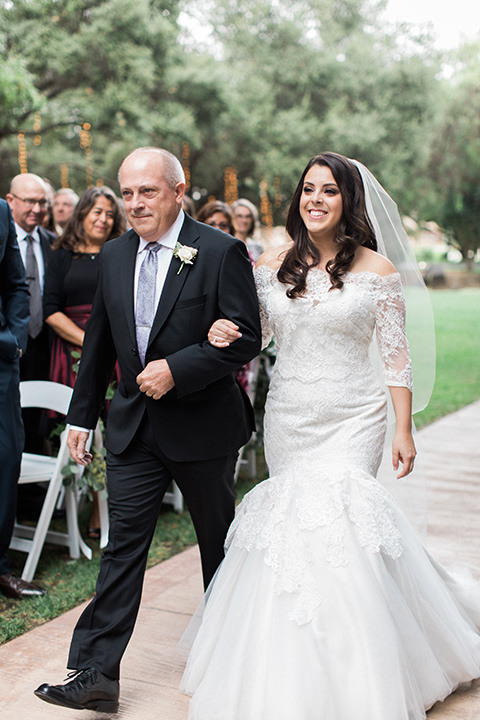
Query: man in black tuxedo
x=14, y=318
x=28, y=201
x=178, y=411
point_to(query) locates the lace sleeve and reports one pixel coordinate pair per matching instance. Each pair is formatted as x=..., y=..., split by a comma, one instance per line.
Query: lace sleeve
x=391, y=335
x=263, y=278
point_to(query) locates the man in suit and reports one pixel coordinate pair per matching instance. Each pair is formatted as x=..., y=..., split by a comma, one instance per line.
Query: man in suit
x=14, y=319
x=178, y=411
x=28, y=201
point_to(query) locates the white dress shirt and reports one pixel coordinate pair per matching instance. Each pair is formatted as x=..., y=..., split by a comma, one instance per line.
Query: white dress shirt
x=37, y=249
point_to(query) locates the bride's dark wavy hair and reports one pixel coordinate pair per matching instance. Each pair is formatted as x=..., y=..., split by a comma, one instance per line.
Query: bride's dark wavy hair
x=353, y=230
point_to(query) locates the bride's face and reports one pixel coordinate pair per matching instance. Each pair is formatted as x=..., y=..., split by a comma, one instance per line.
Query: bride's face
x=321, y=204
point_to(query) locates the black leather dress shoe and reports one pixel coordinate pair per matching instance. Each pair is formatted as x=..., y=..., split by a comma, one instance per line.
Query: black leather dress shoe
x=14, y=587
x=88, y=690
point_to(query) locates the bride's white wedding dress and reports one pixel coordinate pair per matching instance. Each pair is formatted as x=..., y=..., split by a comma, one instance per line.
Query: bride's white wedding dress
x=326, y=606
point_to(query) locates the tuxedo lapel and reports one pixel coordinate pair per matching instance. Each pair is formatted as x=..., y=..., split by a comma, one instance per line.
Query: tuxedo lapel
x=175, y=280
x=126, y=282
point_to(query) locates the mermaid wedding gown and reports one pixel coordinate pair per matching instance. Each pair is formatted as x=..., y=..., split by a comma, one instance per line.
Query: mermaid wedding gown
x=326, y=606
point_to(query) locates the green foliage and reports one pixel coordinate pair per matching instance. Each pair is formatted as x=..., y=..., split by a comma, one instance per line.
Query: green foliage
x=264, y=88
x=455, y=160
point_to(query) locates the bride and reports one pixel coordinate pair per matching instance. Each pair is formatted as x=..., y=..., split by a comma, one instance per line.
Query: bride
x=326, y=606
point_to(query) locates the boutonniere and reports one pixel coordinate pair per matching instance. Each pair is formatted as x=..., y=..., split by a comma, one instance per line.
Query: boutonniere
x=185, y=254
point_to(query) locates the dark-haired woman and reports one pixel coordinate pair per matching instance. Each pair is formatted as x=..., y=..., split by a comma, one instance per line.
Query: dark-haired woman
x=216, y=214
x=71, y=278
x=326, y=606
x=70, y=284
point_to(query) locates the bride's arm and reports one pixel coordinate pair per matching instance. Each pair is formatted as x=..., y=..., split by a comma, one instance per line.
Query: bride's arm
x=393, y=346
x=403, y=447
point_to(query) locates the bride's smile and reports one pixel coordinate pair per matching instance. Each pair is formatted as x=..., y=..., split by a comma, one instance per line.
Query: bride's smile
x=321, y=204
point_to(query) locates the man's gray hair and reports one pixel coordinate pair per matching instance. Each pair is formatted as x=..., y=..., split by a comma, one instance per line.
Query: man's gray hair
x=68, y=191
x=173, y=170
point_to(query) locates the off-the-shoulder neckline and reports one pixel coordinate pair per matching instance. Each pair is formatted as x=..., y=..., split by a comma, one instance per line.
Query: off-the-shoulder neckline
x=323, y=272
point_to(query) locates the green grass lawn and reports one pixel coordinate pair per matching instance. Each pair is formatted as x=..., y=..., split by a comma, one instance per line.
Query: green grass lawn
x=69, y=582
x=457, y=330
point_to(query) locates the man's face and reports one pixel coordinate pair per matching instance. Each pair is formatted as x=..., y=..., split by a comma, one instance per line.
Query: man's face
x=28, y=203
x=62, y=209
x=151, y=205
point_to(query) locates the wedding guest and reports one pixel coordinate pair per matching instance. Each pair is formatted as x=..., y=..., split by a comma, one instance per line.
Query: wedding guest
x=188, y=206
x=15, y=305
x=70, y=284
x=28, y=202
x=216, y=214
x=63, y=207
x=245, y=219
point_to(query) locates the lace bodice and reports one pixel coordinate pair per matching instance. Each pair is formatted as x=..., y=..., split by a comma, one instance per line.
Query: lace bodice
x=324, y=428
x=328, y=333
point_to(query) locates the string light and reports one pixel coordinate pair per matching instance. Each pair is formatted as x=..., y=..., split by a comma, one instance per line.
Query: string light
x=64, y=175
x=265, y=204
x=186, y=164
x=231, y=184
x=37, y=126
x=22, y=152
x=278, y=193
x=86, y=145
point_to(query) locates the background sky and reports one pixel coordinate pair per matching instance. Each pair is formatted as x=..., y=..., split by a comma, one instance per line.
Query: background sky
x=451, y=21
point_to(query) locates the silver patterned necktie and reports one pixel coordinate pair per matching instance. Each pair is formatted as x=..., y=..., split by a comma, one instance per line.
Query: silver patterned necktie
x=33, y=280
x=145, y=307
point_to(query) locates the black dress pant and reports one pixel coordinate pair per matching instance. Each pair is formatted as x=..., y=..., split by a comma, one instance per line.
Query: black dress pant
x=35, y=365
x=137, y=481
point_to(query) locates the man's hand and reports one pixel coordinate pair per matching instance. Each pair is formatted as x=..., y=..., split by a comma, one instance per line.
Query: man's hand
x=76, y=444
x=156, y=380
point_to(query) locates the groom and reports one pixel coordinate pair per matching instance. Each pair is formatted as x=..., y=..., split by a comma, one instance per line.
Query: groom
x=178, y=411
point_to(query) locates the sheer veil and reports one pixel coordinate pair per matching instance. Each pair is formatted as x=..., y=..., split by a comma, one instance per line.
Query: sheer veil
x=393, y=242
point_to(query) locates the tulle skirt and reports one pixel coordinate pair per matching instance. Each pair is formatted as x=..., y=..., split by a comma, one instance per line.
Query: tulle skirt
x=329, y=612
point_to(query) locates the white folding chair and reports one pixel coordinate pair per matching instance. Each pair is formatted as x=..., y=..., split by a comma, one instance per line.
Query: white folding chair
x=44, y=469
x=174, y=497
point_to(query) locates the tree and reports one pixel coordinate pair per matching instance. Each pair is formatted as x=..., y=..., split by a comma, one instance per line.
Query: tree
x=455, y=158
x=99, y=62
x=311, y=75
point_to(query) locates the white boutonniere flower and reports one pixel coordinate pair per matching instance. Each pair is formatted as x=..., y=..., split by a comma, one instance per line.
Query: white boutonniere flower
x=185, y=254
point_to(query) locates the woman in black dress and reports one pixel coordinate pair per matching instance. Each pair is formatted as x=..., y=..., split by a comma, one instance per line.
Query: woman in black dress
x=71, y=280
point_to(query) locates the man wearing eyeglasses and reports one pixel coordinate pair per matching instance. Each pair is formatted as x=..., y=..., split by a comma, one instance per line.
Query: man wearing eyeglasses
x=28, y=202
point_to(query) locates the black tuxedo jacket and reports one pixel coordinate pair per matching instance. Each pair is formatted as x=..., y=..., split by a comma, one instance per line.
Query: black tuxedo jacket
x=35, y=364
x=206, y=414
x=14, y=297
